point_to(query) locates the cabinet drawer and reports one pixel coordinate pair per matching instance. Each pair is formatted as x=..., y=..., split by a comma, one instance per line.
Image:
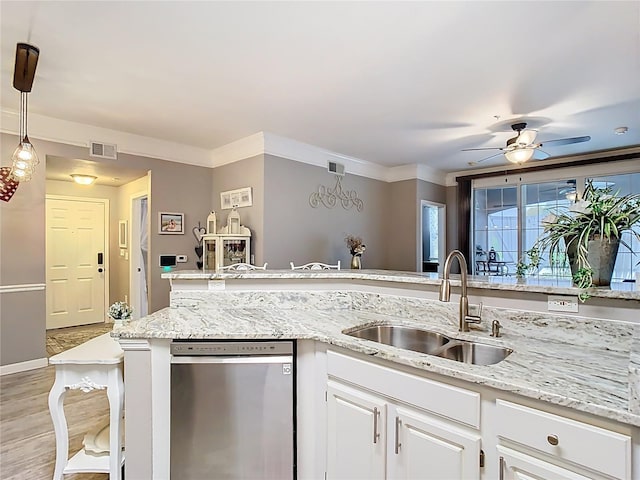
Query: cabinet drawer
x=451, y=402
x=592, y=447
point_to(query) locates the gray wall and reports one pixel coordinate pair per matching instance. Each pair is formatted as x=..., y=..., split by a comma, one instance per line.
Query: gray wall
x=175, y=188
x=296, y=232
x=404, y=234
x=245, y=173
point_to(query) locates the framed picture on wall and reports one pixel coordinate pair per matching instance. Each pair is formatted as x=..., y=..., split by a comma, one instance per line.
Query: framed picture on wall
x=170, y=223
x=236, y=198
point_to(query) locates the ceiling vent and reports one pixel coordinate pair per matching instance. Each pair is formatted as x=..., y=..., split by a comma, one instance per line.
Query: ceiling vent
x=336, y=168
x=103, y=150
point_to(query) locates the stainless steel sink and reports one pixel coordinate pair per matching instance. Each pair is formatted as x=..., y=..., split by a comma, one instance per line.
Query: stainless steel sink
x=409, y=338
x=475, y=353
x=432, y=343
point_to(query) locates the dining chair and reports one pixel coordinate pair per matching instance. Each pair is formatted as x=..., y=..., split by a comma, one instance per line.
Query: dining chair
x=243, y=266
x=316, y=266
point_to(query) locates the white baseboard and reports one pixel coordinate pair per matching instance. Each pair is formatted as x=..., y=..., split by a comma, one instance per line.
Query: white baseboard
x=23, y=366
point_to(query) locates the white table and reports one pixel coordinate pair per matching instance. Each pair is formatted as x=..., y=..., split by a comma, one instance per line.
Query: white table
x=95, y=365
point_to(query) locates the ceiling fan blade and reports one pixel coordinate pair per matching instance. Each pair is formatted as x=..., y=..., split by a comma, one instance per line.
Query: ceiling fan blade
x=484, y=159
x=567, y=141
x=483, y=148
x=526, y=137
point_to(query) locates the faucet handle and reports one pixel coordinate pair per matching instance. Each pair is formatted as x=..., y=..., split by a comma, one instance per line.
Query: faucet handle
x=495, y=328
x=480, y=309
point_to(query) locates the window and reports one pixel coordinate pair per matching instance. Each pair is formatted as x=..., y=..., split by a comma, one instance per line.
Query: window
x=506, y=221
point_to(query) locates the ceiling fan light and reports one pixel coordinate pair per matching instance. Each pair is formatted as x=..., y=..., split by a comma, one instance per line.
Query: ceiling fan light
x=519, y=155
x=527, y=137
x=83, y=179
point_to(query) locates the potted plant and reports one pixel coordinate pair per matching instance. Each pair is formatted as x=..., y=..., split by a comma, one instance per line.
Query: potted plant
x=120, y=312
x=591, y=231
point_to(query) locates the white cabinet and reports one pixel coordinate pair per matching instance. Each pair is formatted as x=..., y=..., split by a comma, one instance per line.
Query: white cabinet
x=356, y=434
x=382, y=425
x=222, y=249
x=537, y=444
x=429, y=449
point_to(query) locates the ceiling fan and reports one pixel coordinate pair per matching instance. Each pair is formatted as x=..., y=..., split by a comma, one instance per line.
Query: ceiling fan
x=522, y=148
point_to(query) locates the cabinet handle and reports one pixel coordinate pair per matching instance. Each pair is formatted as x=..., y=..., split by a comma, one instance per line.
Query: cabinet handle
x=376, y=435
x=501, y=468
x=398, y=444
x=552, y=439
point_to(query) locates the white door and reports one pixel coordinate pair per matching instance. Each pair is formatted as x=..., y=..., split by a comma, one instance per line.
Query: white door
x=139, y=248
x=519, y=466
x=356, y=438
x=75, y=264
x=428, y=449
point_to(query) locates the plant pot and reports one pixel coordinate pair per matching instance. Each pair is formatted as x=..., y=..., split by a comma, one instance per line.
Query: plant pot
x=572, y=254
x=601, y=255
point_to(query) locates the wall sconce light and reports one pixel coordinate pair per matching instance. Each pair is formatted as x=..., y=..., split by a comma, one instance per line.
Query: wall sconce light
x=24, y=158
x=83, y=179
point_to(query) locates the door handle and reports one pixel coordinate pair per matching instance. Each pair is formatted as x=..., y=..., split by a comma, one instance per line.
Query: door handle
x=99, y=270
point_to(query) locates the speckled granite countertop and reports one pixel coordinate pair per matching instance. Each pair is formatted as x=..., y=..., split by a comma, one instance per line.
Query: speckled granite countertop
x=619, y=290
x=575, y=362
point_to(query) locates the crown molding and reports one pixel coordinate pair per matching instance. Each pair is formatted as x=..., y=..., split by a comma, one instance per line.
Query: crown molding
x=79, y=134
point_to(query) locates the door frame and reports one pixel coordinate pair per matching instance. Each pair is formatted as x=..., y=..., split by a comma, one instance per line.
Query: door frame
x=134, y=250
x=442, y=233
x=107, y=244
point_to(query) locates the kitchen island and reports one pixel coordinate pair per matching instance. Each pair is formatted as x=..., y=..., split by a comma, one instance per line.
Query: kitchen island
x=579, y=367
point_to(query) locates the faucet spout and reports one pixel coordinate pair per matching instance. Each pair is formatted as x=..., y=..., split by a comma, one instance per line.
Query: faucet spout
x=445, y=289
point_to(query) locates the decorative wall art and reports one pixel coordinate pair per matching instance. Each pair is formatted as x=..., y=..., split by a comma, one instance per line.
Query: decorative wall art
x=171, y=223
x=122, y=233
x=236, y=198
x=329, y=197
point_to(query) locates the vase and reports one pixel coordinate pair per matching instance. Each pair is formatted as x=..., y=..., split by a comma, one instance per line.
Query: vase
x=355, y=262
x=601, y=255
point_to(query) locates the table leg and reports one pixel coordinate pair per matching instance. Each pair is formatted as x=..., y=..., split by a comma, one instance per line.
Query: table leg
x=56, y=408
x=115, y=394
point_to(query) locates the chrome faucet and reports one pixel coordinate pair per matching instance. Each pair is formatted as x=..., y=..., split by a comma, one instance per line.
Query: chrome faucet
x=445, y=290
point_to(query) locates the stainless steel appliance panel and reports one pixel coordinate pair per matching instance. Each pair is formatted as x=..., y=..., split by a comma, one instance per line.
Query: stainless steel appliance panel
x=232, y=417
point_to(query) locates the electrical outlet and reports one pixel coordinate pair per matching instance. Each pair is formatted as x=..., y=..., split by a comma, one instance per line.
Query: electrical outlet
x=562, y=304
x=181, y=258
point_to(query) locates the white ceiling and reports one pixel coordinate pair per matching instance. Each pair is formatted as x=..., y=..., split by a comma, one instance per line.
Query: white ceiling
x=389, y=82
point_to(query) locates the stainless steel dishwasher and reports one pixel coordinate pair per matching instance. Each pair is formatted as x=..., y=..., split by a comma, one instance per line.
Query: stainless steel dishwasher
x=232, y=410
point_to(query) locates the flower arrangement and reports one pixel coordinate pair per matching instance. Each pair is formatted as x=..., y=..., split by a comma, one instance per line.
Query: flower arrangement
x=356, y=247
x=599, y=215
x=120, y=311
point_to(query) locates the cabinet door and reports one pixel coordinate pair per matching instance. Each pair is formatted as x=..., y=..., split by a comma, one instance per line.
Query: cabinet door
x=520, y=466
x=425, y=448
x=355, y=434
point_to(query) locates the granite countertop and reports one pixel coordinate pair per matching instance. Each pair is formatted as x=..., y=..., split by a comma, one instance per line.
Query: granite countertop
x=575, y=362
x=618, y=290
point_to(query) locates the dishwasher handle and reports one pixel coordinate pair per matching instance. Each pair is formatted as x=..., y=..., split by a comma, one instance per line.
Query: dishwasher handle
x=232, y=360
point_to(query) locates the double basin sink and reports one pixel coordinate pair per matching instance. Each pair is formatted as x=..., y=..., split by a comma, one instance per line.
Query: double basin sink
x=432, y=343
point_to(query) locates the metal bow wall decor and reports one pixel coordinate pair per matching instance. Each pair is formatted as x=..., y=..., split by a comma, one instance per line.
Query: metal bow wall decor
x=329, y=197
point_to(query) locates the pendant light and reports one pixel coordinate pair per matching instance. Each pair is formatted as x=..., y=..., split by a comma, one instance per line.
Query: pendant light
x=24, y=158
x=519, y=155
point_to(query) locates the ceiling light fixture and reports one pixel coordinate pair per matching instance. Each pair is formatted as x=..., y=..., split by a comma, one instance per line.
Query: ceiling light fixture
x=519, y=155
x=24, y=158
x=83, y=179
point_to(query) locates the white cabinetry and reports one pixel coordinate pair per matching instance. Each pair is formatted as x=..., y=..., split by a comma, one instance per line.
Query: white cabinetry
x=222, y=249
x=388, y=424
x=541, y=445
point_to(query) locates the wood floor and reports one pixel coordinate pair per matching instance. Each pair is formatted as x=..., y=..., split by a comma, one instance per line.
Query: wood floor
x=27, y=442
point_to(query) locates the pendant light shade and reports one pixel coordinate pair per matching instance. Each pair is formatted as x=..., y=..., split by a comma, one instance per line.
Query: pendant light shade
x=519, y=155
x=24, y=158
x=83, y=179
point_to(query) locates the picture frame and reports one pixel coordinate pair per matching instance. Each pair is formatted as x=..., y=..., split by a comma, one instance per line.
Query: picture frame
x=241, y=197
x=170, y=223
x=123, y=233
